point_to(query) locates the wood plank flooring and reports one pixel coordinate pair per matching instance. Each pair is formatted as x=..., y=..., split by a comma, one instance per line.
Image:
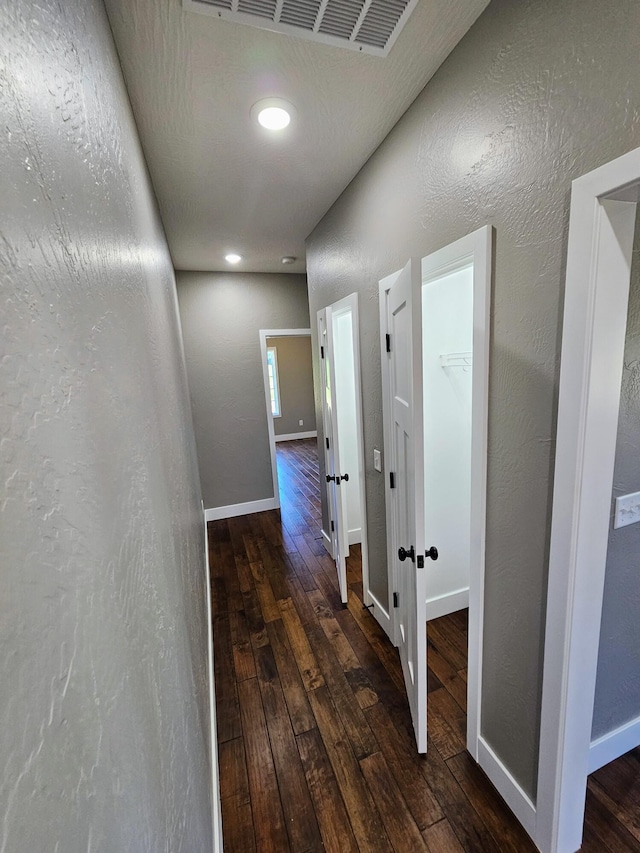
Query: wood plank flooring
x=315, y=740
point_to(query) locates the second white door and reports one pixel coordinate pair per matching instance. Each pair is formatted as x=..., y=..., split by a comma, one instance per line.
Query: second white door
x=407, y=502
x=335, y=476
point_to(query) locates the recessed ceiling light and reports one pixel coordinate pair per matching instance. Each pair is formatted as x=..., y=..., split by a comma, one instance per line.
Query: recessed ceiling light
x=233, y=258
x=273, y=113
x=288, y=259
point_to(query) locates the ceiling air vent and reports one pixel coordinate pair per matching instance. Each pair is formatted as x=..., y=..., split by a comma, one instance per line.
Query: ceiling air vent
x=370, y=26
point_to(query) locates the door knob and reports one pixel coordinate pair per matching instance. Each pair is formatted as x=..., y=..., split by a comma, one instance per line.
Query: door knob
x=330, y=478
x=345, y=477
x=403, y=554
x=432, y=552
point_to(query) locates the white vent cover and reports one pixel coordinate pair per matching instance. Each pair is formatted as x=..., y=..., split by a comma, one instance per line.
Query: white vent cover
x=370, y=26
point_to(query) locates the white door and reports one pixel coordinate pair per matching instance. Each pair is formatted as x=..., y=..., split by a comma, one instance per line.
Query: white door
x=334, y=473
x=404, y=319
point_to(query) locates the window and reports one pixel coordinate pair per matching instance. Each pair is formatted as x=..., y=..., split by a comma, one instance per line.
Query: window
x=274, y=390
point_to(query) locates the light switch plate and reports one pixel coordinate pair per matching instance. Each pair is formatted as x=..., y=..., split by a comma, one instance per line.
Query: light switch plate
x=377, y=460
x=300, y=423
x=627, y=510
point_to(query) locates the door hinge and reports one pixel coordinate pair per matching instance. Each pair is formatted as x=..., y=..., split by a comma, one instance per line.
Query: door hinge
x=333, y=527
x=392, y=480
x=388, y=342
x=396, y=599
x=321, y=352
x=327, y=440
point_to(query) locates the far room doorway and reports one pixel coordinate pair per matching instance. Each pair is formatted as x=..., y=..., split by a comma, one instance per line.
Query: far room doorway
x=288, y=388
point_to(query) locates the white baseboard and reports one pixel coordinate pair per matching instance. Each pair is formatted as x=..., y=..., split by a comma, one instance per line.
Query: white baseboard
x=292, y=436
x=326, y=541
x=448, y=603
x=507, y=787
x=614, y=744
x=355, y=536
x=216, y=808
x=217, y=512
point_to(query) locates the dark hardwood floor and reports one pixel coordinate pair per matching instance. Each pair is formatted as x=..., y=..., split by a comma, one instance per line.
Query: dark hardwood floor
x=316, y=747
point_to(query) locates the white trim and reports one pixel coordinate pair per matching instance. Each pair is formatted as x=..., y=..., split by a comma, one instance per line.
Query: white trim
x=355, y=536
x=232, y=510
x=326, y=541
x=448, y=603
x=601, y=227
x=292, y=436
x=474, y=248
x=263, y=335
x=510, y=791
x=216, y=809
x=614, y=744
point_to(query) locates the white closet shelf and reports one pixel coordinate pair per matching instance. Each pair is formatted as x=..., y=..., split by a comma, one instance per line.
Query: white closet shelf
x=456, y=359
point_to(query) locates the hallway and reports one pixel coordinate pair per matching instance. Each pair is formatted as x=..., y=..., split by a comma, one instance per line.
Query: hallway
x=315, y=742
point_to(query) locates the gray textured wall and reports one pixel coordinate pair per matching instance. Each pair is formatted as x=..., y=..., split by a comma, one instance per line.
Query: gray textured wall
x=536, y=94
x=104, y=709
x=295, y=379
x=221, y=315
x=617, y=698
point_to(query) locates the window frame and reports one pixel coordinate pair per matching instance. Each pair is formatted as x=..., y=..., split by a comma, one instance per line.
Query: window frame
x=275, y=397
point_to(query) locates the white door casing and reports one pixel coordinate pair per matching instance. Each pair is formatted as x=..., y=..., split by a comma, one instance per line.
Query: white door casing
x=407, y=502
x=475, y=248
x=333, y=472
x=601, y=228
x=264, y=334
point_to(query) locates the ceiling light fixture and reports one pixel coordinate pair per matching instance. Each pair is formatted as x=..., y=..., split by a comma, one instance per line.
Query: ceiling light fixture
x=273, y=113
x=288, y=259
x=233, y=258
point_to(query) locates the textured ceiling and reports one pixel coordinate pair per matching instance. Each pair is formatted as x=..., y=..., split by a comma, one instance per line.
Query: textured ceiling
x=225, y=183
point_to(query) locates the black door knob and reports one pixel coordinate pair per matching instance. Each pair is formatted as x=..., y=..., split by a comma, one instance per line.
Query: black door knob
x=345, y=477
x=432, y=552
x=403, y=554
x=330, y=478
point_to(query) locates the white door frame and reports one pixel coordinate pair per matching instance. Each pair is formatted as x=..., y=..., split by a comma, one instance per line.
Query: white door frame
x=477, y=248
x=601, y=229
x=216, y=804
x=351, y=303
x=264, y=334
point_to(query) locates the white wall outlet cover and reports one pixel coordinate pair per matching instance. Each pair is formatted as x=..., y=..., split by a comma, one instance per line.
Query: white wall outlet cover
x=300, y=423
x=627, y=510
x=377, y=460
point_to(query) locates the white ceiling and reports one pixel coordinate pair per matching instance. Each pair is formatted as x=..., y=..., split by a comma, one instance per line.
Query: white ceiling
x=223, y=183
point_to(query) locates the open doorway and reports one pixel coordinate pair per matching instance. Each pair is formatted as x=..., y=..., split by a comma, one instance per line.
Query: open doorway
x=591, y=679
x=447, y=364
x=288, y=389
